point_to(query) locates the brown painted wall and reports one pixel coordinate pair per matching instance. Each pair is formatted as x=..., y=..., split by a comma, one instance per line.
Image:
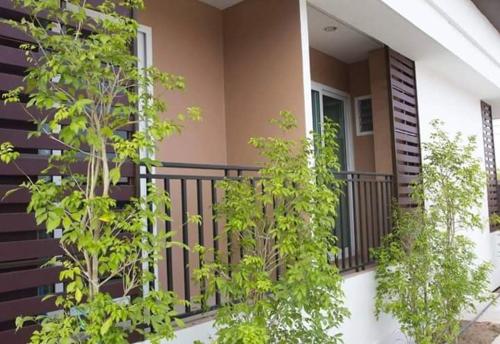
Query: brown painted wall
x=263, y=72
x=382, y=139
x=328, y=70
x=353, y=79
x=188, y=40
x=359, y=85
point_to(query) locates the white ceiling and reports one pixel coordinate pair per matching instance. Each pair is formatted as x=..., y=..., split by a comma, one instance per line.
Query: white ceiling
x=221, y=4
x=345, y=43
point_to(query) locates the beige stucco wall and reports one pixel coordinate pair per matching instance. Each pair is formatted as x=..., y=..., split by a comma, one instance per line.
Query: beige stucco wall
x=188, y=40
x=263, y=72
x=353, y=79
x=242, y=66
x=379, y=85
x=328, y=70
x=359, y=85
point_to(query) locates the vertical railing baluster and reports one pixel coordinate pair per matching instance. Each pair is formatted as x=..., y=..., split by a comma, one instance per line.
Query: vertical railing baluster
x=383, y=206
x=201, y=237
x=355, y=200
x=341, y=226
x=377, y=211
x=215, y=231
x=240, y=239
x=389, y=203
x=168, y=229
x=229, y=239
x=185, y=241
x=366, y=227
x=150, y=227
x=350, y=209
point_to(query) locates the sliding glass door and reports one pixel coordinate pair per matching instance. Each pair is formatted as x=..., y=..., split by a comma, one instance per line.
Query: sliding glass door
x=334, y=106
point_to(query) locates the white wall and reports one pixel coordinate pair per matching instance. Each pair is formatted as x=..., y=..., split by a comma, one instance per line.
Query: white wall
x=460, y=110
x=362, y=327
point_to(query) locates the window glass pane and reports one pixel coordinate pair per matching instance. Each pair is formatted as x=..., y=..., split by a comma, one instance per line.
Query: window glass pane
x=365, y=115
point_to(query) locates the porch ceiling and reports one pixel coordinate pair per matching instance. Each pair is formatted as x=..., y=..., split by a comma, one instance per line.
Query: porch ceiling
x=430, y=35
x=332, y=37
x=221, y=4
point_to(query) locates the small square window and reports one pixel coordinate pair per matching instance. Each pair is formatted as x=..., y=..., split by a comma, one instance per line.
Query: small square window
x=364, y=117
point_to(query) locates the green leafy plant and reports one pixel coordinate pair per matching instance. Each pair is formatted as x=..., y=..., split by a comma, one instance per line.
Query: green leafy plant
x=283, y=289
x=427, y=271
x=84, y=76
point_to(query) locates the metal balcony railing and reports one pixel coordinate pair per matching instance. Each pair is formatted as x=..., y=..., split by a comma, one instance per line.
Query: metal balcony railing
x=363, y=218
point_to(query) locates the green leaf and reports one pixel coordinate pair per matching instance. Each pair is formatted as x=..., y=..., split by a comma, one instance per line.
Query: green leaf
x=115, y=175
x=78, y=295
x=106, y=326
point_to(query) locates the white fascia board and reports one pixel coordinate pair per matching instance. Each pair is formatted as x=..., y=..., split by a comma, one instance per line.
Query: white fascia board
x=459, y=27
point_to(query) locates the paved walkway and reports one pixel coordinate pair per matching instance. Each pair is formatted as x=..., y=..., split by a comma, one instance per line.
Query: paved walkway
x=492, y=314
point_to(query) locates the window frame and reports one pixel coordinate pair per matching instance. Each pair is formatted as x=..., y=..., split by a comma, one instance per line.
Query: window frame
x=357, y=115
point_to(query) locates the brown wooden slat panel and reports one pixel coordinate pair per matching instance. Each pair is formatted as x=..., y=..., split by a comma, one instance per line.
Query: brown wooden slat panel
x=410, y=90
x=10, y=81
x=18, y=112
x=19, y=138
x=14, y=34
x=405, y=124
x=405, y=137
x=20, y=255
x=17, y=222
x=402, y=168
x=17, y=337
x=408, y=158
x=34, y=164
x=9, y=5
x=404, y=116
x=401, y=67
x=405, y=108
x=10, y=310
x=397, y=75
x=122, y=10
x=23, y=279
x=29, y=249
x=119, y=192
x=403, y=98
x=405, y=127
x=490, y=163
x=13, y=57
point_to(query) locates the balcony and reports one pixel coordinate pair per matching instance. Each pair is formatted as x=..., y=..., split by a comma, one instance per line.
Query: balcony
x=364, y=217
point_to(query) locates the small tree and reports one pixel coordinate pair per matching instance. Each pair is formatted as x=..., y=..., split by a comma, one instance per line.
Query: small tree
x=427, y=272
x=84, y=75
x=283, y=289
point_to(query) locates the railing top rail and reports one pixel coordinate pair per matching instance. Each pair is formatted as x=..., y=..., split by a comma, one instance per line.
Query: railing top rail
x=197, y=166
x=361, y=173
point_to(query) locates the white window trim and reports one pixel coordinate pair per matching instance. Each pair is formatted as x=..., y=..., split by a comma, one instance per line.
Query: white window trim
x=358, y=114
x=346, y=98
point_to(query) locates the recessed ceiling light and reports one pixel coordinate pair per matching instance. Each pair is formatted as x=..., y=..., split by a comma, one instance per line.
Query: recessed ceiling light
x=330, y=28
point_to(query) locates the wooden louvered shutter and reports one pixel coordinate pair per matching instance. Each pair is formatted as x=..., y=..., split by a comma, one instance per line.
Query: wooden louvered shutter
x=490, y=162
x=405, y=125
x=24, y=247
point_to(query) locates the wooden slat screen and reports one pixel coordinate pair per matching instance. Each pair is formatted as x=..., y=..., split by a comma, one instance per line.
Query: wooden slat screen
x=405, y=124
x=490, y=162
x=24, y=246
